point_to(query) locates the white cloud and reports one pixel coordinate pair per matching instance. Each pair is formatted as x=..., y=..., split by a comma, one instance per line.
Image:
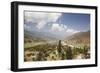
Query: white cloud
x=41, y=18
x=71, y=31
x=63, y=28
x=57, y=27
x=41, y=24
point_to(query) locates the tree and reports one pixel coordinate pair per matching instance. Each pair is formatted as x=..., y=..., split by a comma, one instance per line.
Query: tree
x=69, y=54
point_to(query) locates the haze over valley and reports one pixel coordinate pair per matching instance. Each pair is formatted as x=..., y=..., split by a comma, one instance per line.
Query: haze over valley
x=56, y=36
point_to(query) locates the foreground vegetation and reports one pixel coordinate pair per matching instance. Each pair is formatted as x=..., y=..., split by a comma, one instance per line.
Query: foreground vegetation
x=56, y=51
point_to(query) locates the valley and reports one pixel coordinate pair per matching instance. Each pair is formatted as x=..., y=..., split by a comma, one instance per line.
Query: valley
x=39, y=47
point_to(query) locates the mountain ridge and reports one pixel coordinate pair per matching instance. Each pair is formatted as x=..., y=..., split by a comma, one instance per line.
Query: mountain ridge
x=78, y=38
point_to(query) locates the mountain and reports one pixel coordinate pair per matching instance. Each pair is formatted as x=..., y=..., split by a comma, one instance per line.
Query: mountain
x=79, y=38
x=28, y=37
x=38, y=36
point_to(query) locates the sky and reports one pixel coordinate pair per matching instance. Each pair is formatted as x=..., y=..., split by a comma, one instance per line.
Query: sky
x=59, y=24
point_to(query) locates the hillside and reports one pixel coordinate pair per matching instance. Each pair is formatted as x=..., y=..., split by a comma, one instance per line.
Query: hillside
x=79, y=38
x=38, y=36
x=30, y=37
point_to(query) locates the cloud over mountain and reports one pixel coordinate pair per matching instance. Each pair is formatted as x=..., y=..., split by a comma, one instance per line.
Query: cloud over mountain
x=47, y=22
x=40, y=19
